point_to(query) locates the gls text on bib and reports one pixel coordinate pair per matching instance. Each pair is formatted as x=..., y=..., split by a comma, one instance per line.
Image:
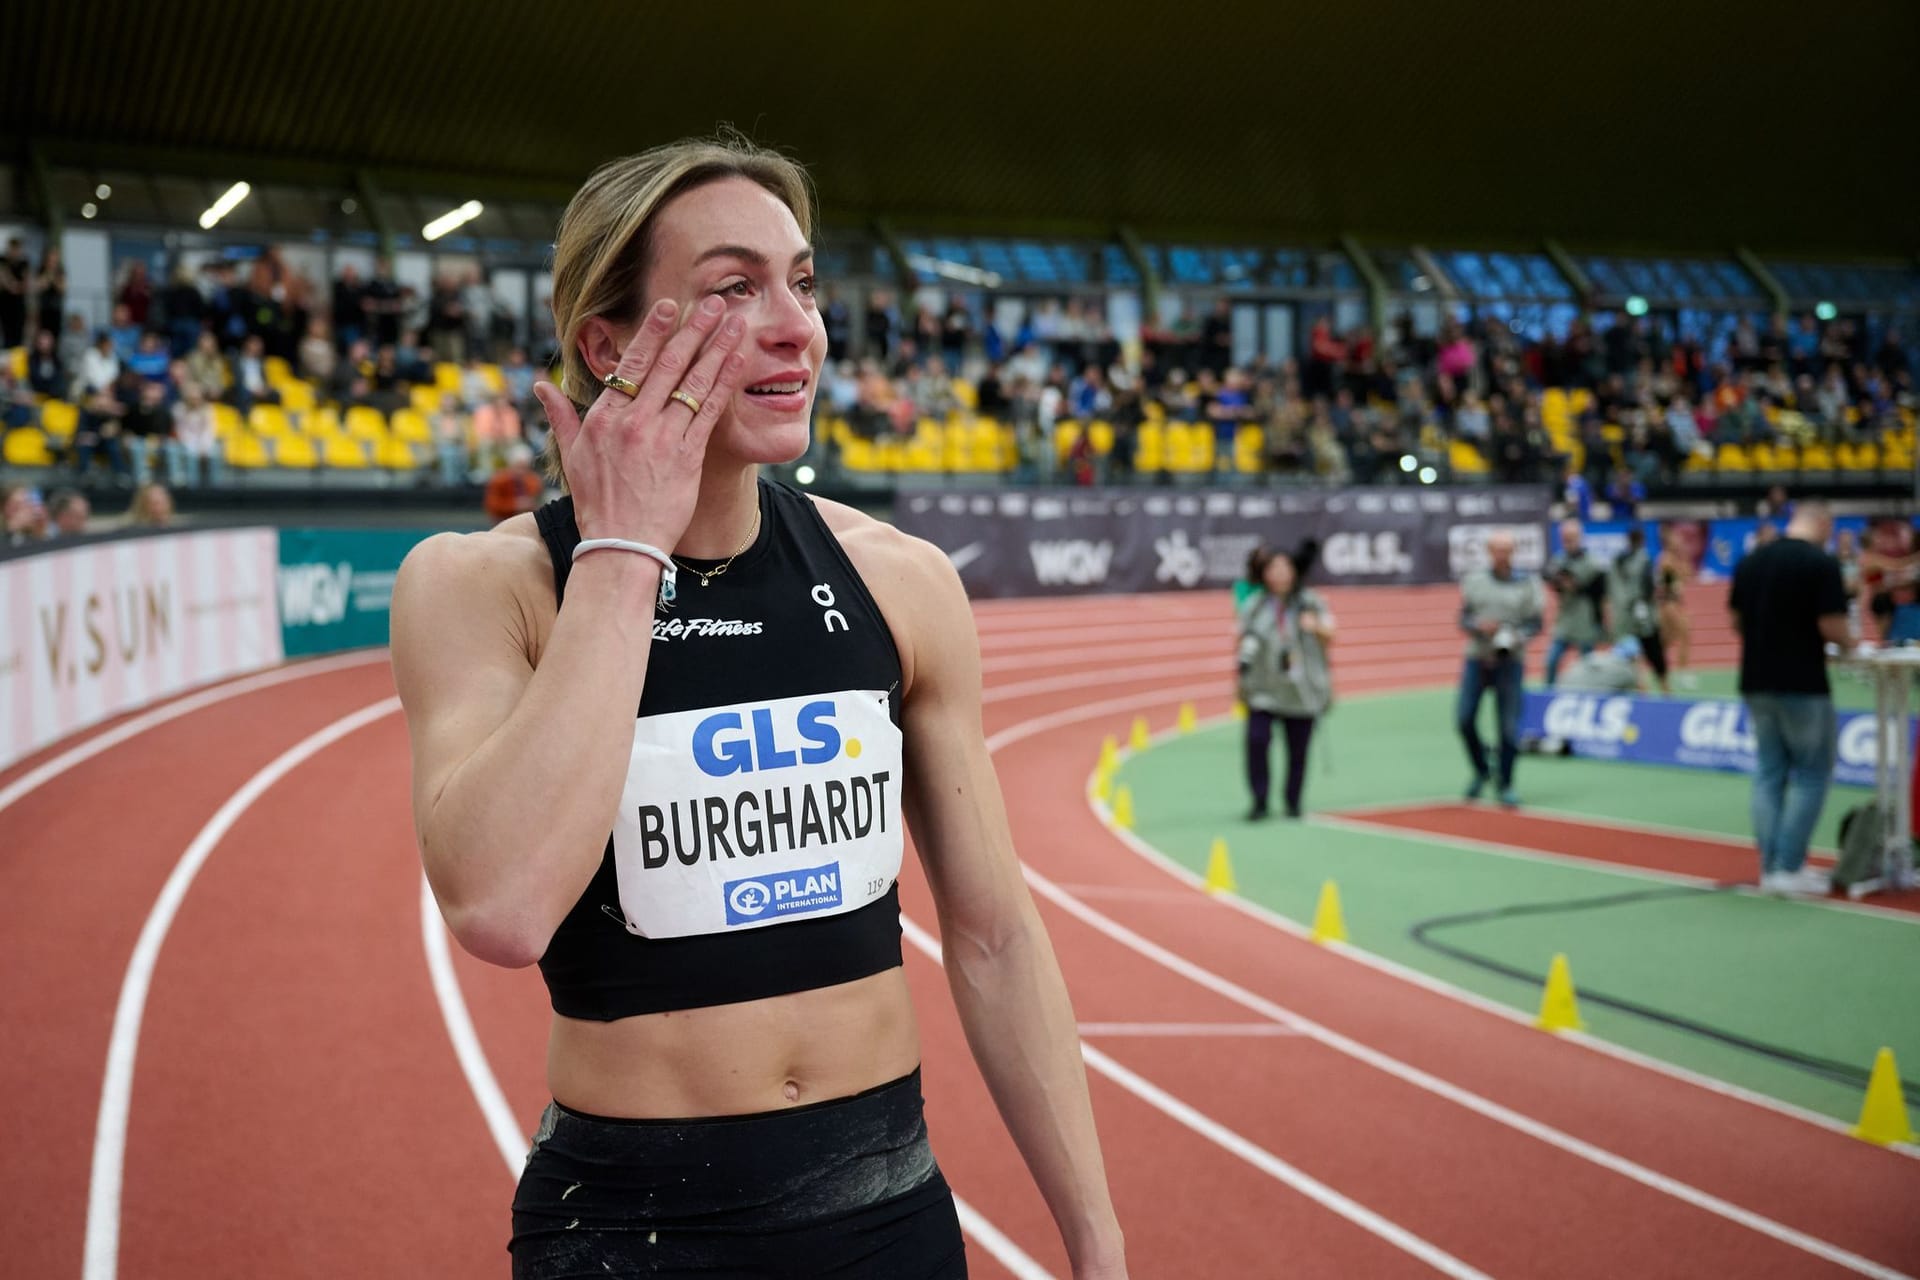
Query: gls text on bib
x=758, y=813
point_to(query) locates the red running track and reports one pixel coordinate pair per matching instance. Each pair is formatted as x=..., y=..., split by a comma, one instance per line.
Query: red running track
x=1267, y=1106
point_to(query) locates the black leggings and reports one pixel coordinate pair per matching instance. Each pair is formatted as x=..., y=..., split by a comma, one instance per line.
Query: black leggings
x=1299, y=732
x=846, y=1189
x=1655, y=650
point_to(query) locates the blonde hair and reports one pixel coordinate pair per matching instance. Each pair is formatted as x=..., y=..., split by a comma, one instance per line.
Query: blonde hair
x=604, y=247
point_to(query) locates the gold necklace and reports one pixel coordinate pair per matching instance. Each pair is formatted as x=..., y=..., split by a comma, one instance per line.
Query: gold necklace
x=708, y=575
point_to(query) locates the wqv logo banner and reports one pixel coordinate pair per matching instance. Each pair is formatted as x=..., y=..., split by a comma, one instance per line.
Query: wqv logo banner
x=1031, y=542
x=1701, y=734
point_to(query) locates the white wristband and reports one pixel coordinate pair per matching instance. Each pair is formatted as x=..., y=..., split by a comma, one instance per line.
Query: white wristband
x=669, y=572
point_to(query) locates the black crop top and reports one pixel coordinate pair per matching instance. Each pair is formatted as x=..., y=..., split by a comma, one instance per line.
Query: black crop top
x=758, y=841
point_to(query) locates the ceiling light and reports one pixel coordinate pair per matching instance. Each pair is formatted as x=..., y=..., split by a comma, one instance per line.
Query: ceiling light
x=88, y=209
x=452, y=218
x=1636, y=305
x=954, y=271
x=1408, y=462
x=349, y=205
x=224, y=205
x=103, y=191
x=1825, y=310
x=1428, y=475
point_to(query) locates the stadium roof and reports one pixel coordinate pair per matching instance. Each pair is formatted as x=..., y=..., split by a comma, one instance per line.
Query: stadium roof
x=1784, y=127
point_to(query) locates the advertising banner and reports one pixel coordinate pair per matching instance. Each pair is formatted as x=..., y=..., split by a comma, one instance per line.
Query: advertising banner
x=99, y=629
x=1086, y=541
x=1705, y=733
x=336, y=586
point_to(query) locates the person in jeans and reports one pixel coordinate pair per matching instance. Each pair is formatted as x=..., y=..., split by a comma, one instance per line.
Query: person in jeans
x=1789, y=603
x=1499, y=612
x=1580, y=581
x=1285, y=629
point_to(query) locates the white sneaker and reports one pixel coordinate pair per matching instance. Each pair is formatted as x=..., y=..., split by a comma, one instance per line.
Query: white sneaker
x=1811, y=881
x=1777, y=883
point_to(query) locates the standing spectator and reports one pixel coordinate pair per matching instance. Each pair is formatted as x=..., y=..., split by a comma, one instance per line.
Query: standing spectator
x=45, y=374
x=1285, y=629
x=1499, y=612
x=1788, y=604
x=1216, y=337
x=186, y=311
x=136, y=293
x=476, y=299
x=1633, y=590
x=1580, y=583
x=516, y=487
x=68, y=511
x=383, y=304
x=447, y=321
x=16, y=276
x=50, y=282
x=318, y=356
x=349, y=308
x=194, y=443
x=1325, y=355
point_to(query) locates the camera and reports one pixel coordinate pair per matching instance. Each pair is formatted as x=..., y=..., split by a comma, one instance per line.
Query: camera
x=1504, y=642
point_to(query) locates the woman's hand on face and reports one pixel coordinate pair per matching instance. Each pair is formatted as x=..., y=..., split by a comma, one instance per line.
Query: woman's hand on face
x=633, y=464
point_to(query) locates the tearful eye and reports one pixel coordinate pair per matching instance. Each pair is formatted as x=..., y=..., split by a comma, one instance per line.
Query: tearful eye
x=806, y=285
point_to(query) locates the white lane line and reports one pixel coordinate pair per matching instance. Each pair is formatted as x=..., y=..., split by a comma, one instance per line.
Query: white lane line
x=513, y=1144
x=1344, y=822
x=1406, y=1072
x=102, y=1256
x=1177, y=1030
x=1254, y=1154
x=47, y=771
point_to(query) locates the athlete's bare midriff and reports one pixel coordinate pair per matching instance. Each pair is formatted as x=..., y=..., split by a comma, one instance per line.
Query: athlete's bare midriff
x=737, y=1059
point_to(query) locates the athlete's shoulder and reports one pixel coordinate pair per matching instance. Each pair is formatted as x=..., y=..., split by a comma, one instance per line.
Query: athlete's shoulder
x=511, y=549
x=886, y=557
x=454, y=578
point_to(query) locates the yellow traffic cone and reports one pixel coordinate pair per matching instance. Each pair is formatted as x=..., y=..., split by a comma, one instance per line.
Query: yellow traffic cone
x=1329, y=925
x=1239, y=709
x=1137, y=741
x=1220, y=869
x=1109, y=754
x=1103, y=785
x=1189, y=718
x=1123, y=808
x=1559, y=1007
x=1883, y=1117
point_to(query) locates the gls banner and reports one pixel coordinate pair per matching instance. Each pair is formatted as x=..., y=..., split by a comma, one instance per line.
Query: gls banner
x=1067, y=541
x=1694, y=734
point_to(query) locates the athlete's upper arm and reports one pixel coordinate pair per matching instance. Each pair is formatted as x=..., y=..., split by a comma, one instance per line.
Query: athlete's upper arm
x=952, y=797
x=460, y=652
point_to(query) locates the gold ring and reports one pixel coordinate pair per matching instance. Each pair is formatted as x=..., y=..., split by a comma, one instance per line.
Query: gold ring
x=624, y=386
x=684, y=398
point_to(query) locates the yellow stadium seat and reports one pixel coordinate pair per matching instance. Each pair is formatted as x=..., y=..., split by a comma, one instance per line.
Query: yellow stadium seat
x=857, y=454
x=295, y=451
x=1466, y=459
x=226, y=420
x=495, y=379
x=27, y=447
x=58, y=419
x=269, y=420
x=1579, y=400
x=921, y=455
x=246, y=450
x=1102, y=434
x=446, y=376
x=1066, y=434
x=1816, y=457
x=411, y=427
x=297, y=396
x=966, y=394
x=1249, y=448
x=277, y=370
x=1733, y=457
x=343, y=451
x=17, y=361
x=426, y=400
x=1699, y=462
x=394, y=455
x=324, y=421
x=1150, y=447
x=366, y=423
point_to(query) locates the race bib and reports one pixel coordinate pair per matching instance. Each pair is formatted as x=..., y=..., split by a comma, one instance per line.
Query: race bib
x=758, y=813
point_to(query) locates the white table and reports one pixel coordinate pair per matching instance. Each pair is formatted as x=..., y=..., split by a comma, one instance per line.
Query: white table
x=1892, y=672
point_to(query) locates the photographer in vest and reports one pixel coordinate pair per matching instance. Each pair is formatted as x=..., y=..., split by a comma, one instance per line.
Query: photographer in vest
x=1579, y=583
x=1499, y=612
x=1285, y=630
